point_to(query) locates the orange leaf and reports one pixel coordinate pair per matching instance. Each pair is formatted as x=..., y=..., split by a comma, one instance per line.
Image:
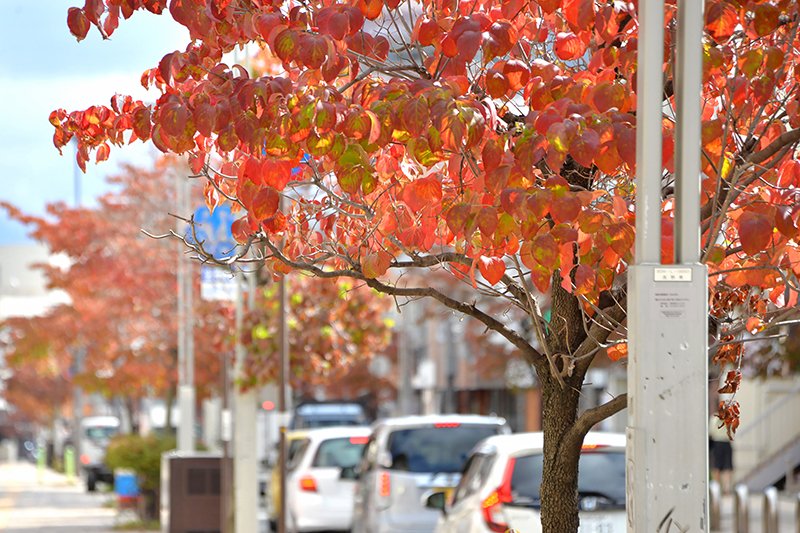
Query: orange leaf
x=265, y=203
x=78, y=23
x=492, y=268
x=721, y=19
x=617, y=351
x=569, y=46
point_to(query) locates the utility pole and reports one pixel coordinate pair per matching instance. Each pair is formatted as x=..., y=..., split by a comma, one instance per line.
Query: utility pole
x=244, y=426
x=186, y=391
x=667, y=451
x=284, y=400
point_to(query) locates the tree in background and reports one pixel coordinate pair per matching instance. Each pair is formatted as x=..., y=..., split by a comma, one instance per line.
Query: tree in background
x=335, y=329
x=492, y=140
x=123, y=312
x=121, y=319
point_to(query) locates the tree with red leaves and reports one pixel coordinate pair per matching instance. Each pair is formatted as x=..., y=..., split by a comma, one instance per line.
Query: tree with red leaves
x=493, y=140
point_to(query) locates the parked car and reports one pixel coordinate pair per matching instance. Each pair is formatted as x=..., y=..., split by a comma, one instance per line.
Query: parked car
x=319, y=491
x=408, y=457
x=318, y=414
x=96, y=433
x=499, y=489
x=295, y=440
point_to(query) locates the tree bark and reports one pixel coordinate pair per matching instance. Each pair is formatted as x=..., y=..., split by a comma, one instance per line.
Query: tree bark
x=559, y=489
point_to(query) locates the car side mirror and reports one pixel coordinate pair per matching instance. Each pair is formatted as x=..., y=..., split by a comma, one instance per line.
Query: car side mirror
x=436, y=500
x=349, y=472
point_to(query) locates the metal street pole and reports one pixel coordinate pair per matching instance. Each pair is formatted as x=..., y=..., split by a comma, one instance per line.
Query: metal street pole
x=667, y=459
x=284, y=401
x=245, y=479
x=186, y=392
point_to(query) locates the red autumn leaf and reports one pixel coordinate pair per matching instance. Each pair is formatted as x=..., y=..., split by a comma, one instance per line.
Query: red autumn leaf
x=376, y=264
x=569, y=46
x=313, y=50
x=755, y=232
x=721, y=19
x=78, y=23
x=492, y=268
x=545, y=251
x=608, y=95
x=579, y=14
x=422, y=193
x=517, y=73
x=496, y=84
x=785, y=222
x=286, y=45
x=766, y=18
x=487, y=221
x=371, y=9
x=468, y=44
x=428, y=31
x=585, y=147
x=541, y=278
x=240, y=229
x=415, y=116
x=141, y=123
x=265, y=203
x=584, y=280
x=565, y=208
x=618, y=351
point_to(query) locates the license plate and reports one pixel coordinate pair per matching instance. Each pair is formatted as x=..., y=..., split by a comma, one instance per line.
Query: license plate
x=595, y=525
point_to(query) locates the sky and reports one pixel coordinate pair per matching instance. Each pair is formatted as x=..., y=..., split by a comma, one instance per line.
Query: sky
x=42, y=68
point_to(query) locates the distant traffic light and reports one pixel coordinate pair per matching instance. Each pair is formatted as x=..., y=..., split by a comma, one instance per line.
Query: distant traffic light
x=268, y=405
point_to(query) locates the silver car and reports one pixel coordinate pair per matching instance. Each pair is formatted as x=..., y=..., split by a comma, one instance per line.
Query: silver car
x=408, y=458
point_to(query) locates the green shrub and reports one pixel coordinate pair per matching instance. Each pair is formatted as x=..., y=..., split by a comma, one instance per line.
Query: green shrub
x=140, y=454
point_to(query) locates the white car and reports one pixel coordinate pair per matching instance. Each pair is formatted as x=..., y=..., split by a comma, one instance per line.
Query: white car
x=409, y=457
x=319, y=496
x=499, y=489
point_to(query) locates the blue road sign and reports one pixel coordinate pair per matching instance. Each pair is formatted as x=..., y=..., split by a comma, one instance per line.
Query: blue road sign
x=214, y=230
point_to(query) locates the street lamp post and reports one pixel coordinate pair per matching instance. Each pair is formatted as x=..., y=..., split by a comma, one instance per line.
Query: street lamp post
x=667, y=459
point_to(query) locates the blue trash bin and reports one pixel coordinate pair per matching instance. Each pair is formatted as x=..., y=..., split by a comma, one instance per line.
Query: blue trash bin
x=125, y=483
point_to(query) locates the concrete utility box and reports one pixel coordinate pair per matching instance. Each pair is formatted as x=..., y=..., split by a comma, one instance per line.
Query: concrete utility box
x=191, y=495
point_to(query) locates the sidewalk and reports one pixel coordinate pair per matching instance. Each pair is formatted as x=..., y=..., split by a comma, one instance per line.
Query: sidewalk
x=47, y=502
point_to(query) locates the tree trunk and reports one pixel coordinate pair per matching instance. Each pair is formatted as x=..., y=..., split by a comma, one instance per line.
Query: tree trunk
x=559, y=489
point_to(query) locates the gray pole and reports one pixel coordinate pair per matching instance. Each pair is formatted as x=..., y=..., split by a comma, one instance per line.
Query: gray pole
x=284, y=400
x=245, y=480
x=185, y=330
x=689, y=78
x=667, y=459
x=649, y=90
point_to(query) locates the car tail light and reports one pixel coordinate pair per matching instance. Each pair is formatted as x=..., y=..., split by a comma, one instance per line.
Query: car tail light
x=446, y=425
x=591, y=447
x=308, y=484
x=492, y=506
x=385, y=484
x=85, y=459
x=359, y=440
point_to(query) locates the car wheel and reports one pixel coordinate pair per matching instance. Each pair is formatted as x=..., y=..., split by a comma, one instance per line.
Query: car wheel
x=91, y=481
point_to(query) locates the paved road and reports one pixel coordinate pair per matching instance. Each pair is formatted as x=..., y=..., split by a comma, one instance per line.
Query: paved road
x=48, y=503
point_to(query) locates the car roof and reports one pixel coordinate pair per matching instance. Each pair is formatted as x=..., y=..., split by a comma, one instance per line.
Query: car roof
x=336, y=432
x=422, y=420
x=534, y=441
x=100, y=420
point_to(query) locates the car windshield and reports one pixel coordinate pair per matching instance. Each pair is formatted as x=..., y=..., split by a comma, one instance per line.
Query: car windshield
x=436, y=449
x=339, y=453
x=600, y=474
x=101, y=432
